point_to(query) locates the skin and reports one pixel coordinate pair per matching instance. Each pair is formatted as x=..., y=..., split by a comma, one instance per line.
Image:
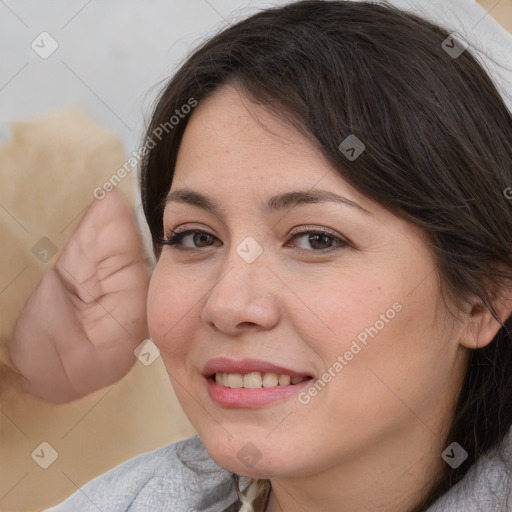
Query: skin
x=79, y=328
x=373, y=437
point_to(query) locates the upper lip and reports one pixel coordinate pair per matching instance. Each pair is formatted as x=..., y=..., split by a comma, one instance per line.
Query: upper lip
x=225, y=365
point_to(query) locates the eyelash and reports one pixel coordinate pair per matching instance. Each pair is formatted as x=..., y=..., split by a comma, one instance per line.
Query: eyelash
x=177, y=236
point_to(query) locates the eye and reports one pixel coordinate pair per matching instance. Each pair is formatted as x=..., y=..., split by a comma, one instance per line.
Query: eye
x=190, y=239
x=318, y=240
x=312, y=240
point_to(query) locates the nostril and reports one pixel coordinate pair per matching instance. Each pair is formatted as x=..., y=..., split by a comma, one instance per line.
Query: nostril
x=250, y=325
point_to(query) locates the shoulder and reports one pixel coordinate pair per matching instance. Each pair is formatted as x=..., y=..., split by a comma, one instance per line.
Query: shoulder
x=179, y=477
x=487, y=486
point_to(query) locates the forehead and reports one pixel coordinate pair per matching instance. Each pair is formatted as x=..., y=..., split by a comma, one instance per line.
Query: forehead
x=228, y=130
x=235, y=150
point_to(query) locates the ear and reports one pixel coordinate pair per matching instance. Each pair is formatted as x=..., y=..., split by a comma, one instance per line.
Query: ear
x=482, y=327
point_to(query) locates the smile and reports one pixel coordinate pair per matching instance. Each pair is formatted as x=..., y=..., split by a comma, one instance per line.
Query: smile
x=255, y=380
x=250, y=383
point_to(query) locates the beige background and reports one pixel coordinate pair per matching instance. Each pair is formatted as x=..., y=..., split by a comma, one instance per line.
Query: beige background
x=137, y=414
x=501, y=10
x=65, y=156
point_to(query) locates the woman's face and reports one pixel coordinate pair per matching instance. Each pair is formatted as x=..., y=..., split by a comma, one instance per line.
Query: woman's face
x=294, y=274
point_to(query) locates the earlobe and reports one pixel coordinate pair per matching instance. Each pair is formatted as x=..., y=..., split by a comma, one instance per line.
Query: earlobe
x=482, y=326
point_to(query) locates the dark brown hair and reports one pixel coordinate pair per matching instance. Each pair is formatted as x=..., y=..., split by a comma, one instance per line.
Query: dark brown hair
x=438, y=153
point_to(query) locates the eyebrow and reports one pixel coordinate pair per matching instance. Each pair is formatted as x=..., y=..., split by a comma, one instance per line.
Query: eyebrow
x=279, y=202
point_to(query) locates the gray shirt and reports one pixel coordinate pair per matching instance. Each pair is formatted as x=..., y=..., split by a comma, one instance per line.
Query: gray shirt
x=182, y=477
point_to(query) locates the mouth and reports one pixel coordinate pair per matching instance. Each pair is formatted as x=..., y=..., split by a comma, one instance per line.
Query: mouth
x=251, y=383
x=256, y=380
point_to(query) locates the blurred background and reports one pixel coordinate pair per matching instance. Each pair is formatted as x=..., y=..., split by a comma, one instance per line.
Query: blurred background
x=108, y=59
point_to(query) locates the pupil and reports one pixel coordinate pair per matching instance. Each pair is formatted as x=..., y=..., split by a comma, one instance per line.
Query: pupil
x=319, y=241
x=201, y=239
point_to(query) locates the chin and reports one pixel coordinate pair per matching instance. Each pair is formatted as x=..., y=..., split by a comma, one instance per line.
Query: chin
x=243, y=457
x=247, y=468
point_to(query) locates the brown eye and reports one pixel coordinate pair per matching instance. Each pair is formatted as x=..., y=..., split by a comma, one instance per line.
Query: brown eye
x=318, y=240
x=202, y=239
x=191, y=239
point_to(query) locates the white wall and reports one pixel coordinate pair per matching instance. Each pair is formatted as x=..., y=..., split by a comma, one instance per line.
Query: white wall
x=111, y=54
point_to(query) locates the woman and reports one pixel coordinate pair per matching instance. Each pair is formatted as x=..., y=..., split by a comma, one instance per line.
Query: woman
x=332, y=295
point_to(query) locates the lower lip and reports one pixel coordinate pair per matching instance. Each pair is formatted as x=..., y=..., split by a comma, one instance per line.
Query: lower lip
x=236, y=398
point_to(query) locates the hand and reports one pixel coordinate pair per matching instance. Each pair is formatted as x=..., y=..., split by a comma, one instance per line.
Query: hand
x=79, y=328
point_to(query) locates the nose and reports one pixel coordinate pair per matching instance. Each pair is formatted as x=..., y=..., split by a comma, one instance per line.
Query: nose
x=243, y=298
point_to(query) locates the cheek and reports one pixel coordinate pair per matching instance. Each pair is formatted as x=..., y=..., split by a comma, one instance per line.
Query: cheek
x=381, y=321
x=335, y=311
x=171, y=317
x=394, y=349
x=394, y=304
x=172, y=307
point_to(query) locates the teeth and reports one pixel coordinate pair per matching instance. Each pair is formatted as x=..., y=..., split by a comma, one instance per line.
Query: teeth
x=252, y=380
x=220, y=378
x=255, y=380
x=270, y=380
x=234, y=380
x=284, y=380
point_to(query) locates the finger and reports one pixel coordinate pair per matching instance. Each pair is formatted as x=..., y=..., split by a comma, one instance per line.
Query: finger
x=105, y=241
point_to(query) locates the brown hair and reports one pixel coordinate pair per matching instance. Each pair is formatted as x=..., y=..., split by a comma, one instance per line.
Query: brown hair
x=438, y=153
